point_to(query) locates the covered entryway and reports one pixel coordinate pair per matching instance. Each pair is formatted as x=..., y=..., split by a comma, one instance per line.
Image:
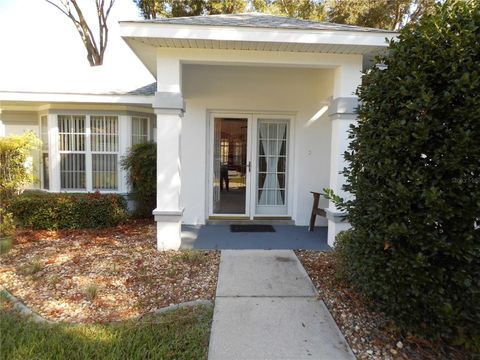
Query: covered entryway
x=253, y=113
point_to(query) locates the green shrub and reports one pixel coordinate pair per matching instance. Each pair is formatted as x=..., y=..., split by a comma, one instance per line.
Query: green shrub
x=414, y=172
x=42, y=210
x=342, y=256
x=14, y=175
x=141, y=166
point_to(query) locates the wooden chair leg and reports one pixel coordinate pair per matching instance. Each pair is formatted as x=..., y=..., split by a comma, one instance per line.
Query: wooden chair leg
x=313, y=217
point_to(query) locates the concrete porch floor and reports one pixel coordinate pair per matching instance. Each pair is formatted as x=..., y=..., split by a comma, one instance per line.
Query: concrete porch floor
x=285, y=237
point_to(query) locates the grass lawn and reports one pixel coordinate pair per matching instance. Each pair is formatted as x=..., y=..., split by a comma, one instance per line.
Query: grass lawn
x=180, y=334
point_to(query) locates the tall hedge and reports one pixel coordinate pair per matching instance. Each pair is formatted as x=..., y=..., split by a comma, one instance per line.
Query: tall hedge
x=141, y=166
x=414, y=171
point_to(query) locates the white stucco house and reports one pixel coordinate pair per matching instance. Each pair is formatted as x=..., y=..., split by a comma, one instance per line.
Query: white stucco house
x=250, y=113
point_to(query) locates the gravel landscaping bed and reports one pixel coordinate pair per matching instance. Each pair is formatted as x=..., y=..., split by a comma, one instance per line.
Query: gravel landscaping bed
x=104, y=275
x=370, y=334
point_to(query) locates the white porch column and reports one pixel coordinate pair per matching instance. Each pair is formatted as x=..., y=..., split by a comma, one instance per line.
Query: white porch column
x=169, y=108
x=125, y=142
x=342, y=115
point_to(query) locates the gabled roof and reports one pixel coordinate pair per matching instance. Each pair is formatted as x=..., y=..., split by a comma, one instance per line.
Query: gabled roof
x=258, y=20
x=250, y=32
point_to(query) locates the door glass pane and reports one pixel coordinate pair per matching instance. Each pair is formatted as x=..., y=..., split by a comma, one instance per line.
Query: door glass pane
x=282, y=164
x=272, y=177
x=262, y=164
x=230, y=165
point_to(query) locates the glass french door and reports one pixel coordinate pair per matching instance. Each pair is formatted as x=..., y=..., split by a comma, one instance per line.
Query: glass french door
x=231, y=170
x=272, y=165
x=249, y=165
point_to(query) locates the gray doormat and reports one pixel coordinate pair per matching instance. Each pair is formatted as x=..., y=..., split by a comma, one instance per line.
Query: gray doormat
x=252, y=228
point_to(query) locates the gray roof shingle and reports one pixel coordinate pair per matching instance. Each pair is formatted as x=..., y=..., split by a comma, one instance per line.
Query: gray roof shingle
x=259, y=20
x=146, y=90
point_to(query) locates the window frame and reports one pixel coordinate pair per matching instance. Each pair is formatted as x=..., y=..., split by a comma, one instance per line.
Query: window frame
x=89, y=173
x=92, y=152
x=86, y=144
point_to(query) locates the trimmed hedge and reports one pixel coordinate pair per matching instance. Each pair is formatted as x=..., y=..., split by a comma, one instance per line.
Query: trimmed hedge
x=52, y=211
x=414, y=173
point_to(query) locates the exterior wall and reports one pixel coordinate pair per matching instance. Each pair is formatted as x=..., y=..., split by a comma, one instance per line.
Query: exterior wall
x=17, y=123
x=304, y=92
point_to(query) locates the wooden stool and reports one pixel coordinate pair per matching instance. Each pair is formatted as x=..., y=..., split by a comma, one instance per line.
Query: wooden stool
x=316, y=211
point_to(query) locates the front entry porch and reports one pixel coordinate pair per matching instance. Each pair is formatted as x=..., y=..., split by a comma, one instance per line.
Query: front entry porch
x=285, y=237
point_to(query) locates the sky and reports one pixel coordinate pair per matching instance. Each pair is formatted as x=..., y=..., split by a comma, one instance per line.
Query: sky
x=40, y=50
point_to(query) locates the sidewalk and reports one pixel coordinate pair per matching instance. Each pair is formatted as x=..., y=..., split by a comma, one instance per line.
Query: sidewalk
x=266, y=308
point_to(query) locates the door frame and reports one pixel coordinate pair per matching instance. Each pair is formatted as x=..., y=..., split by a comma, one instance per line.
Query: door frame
x=210, y=153
x=289, y=166
x=251, y=179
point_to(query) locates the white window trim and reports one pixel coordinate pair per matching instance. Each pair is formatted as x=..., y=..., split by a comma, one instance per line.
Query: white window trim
x=88, y=155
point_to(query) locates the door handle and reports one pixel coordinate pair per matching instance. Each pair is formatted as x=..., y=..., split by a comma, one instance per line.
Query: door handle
x=249, y=166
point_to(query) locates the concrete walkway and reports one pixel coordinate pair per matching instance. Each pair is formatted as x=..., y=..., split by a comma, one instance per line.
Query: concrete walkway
x=266, y=308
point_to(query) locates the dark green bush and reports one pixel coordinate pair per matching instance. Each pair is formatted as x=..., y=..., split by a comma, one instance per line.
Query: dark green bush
x=42, y=210
x=414, y=172
x=141, y=166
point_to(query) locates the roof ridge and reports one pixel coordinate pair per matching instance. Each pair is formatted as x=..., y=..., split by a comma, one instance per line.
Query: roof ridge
x=260, y=20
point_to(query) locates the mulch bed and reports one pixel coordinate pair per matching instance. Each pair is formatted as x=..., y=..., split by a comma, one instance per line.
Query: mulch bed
x=370, y=334
x=104, y=275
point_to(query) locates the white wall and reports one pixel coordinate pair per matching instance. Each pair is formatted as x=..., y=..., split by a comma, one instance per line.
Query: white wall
x=250, y=89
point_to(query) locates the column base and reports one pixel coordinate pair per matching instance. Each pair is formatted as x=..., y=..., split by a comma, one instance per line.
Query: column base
x=336, y=224
x=169, y=229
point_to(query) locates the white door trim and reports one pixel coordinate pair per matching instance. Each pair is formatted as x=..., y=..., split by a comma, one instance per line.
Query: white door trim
x=210, y=152
x=251, y=181
x=289, y=186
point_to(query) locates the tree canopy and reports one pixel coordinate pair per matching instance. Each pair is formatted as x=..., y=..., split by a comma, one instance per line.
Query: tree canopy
x=384, y=14
x=94, y=44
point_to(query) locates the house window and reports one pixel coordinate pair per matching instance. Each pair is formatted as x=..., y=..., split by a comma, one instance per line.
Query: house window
x=104, y=148
x=139, y=130
x=89, y=150
x=72, y=136
x=44, y=153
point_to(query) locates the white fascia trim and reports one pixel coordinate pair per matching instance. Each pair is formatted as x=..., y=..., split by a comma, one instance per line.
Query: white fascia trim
x=134, y=29
x=76, y=98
